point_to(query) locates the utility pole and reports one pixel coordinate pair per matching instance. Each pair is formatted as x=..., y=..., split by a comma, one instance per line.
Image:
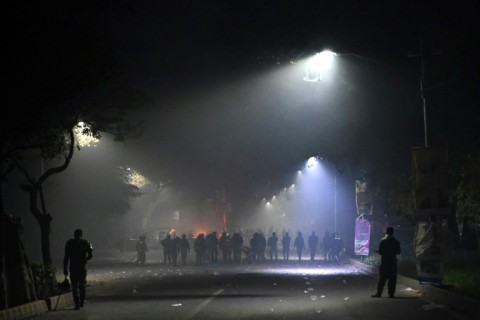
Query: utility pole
x=335, y=202
x=422, y=95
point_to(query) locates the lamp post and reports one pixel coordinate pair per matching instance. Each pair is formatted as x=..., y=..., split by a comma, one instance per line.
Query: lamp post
x=317, y=64
x=335, y=202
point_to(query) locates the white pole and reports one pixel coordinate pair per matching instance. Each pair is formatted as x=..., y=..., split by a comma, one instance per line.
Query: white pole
x=335, y=202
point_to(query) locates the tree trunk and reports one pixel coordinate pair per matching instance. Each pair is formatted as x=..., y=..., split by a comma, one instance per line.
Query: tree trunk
x=45, y=223
x=19, y=278
x=3, y=280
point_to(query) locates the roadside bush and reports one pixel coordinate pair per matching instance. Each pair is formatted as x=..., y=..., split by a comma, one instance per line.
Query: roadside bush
x=464, y=277
x=43, y=279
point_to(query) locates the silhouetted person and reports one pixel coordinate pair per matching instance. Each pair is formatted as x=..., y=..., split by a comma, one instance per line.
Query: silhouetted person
x=237, y=243
x=286, y=246
x=221, y=245
x=337, y=246
x=172, y=249
x=313, y=245
x=272, y=244
x=142, y=249
x=184, y=248
x=327, y=245
x=262, y=245
x=255, y=246
x=165, y=246
x=299, y=244
x=388, y=248
x=77, y=252
x=199, y=247
x=212, y=247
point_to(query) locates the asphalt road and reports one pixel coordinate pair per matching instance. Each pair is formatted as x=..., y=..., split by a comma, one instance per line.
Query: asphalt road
x=117, y=289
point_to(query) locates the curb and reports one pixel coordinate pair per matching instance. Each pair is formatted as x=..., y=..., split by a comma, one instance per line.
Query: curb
x=35, y=308
x=431, y=293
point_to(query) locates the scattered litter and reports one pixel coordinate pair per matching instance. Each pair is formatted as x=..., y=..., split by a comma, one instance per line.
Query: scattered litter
x=318, y=311
x=310, y=289
x=305, y=291
x=274, y=284
x=134, y=291
x=344, y=281
x=313, y=298
x=307, y=283
x=431, y=306
x=346, y=298
x=216, y=273
x=176, y=305
x=271, y=310
x=418, y=293
x=322, y=296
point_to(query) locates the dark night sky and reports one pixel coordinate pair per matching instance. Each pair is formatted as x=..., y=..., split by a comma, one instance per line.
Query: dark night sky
x=220, y=116
x=214, y=117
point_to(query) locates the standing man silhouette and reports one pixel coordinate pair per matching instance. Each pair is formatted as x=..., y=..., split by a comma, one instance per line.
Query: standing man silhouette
x=141, y=250
x=286, y=246
x=77, y=252
x=388, y=248
x=184, y=248
x=272, y=243
x=313, y=245
x=299, y=244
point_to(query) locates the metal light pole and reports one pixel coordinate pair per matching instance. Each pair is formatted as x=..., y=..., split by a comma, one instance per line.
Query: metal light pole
x=422, y=89
x=317, y=63
x=335, y=202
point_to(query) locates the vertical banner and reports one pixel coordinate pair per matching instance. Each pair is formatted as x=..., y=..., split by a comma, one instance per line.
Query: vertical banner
x=430, y=188
x=430, y=184
x=431, y=242
x=364, y=198
x=362, y=237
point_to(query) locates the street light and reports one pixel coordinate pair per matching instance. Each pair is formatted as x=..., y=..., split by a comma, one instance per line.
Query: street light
x=317, y=65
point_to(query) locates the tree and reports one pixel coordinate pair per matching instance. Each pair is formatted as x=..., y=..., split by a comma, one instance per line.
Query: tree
x=61, y=72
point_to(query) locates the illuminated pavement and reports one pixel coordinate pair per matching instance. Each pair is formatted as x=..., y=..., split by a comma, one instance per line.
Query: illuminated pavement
x=306, y=290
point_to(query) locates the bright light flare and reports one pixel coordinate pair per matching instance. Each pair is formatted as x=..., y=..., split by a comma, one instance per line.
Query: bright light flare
x=317, y=64
x=84, y=136
x=312, y=163
x=310, y=269
x=136, y=178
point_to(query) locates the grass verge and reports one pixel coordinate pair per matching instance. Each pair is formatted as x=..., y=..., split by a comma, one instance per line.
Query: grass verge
x=460, y=275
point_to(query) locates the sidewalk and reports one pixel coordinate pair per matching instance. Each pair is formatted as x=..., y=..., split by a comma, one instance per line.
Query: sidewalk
x=28, y=310
x=431, y=293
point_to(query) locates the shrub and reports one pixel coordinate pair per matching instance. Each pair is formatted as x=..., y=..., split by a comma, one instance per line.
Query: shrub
x=43, y=277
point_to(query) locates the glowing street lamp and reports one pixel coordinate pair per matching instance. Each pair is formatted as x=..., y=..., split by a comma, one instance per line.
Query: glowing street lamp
x=320, y=62
x=317, y=64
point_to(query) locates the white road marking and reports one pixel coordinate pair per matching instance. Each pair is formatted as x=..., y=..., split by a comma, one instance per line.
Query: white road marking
x=204, y=304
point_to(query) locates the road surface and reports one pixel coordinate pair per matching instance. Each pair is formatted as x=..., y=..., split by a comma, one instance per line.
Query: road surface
x=117, y=289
